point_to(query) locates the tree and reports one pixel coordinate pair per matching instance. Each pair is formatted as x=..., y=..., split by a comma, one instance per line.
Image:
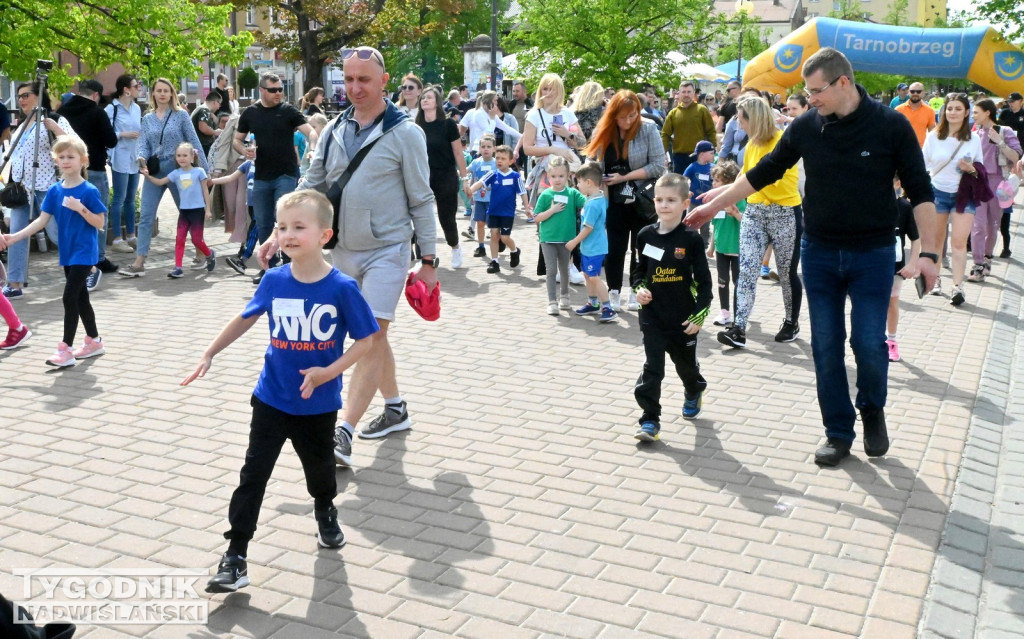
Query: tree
x=615, y=42
x=1008, y=14
x=178, y=33
x=755, y=41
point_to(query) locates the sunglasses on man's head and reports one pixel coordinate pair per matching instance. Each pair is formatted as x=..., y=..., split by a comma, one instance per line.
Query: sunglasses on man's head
x=273, y=89
x=363, y=53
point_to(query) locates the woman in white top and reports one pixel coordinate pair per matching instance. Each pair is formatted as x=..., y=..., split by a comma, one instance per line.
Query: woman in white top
x=126, y=117
x=551, y=129
x=485, y=118
x=950, y=150
x=37, y=179
x=409, y=100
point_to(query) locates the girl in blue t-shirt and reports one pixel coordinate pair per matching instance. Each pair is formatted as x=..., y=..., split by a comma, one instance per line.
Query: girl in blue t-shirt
x=193, y=202
x=80, y=213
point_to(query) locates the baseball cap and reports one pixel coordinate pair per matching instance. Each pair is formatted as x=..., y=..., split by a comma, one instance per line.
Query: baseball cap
x=1014, y=96
x=902, y=85
x=64, y=97
x=703, y=146
x=426, y=303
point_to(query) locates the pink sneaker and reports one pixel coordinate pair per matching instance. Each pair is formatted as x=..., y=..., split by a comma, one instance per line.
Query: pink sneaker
x=91, y=348
x=894, y=350
x=63, y=357
x=15, y=338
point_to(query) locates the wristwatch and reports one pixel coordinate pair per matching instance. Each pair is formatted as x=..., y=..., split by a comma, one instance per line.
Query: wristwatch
x=431, y=262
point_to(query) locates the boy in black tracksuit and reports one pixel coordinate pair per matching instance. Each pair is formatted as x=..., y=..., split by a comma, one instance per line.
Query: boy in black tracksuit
x=673, y=284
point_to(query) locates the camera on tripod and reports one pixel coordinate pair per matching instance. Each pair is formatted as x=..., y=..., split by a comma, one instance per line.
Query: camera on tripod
x=44, y=66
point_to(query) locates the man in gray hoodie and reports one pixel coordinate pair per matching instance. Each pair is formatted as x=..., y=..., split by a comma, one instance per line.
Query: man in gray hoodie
x=387, y=199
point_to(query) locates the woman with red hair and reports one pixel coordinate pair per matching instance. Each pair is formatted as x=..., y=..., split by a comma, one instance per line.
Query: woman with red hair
x=629, y=149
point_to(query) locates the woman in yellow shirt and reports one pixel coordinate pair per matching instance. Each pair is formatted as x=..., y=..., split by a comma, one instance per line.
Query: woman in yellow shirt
x=773, y=216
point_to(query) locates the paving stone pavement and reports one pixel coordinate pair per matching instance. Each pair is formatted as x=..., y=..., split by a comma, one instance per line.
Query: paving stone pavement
x=520, y=505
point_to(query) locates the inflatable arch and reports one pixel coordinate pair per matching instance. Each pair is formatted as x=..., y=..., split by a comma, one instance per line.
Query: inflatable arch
x=979, y=54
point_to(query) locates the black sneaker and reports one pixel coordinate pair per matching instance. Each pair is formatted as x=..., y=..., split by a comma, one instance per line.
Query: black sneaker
x=106, y=266
x=834, y=451
x=211, y=261
x=468, y=234
x=259, y=277
x=480, y=252
x=237, y=264
x=733, y=336
x=342, y=447
x=393, y=419
x=329, y=533
x=513, y=257
x=232, y=574
x=493, y=267
x=501, y=246
x=1005, y=253
x=92, y=280
x=876, y=437
x=788, y=331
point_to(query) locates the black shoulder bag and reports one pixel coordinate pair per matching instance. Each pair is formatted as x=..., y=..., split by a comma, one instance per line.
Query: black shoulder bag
x=336, y=190
x=153, y=161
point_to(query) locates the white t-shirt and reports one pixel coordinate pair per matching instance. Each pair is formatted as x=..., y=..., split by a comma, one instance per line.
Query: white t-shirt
x=534, y=118
x=937, y=152
x=478, y=122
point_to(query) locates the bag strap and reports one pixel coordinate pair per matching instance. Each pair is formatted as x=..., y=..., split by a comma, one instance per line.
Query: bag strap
x=946, y=163
x=543, y=126
x=113, y=120
x=335, y=193
x=161, y=143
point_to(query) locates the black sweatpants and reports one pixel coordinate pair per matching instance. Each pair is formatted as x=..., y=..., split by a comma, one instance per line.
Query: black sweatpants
x=446, y=199
x=727, y=266
x=76, y=303
x=624, y=221
x=312, y=438
x=682, y=348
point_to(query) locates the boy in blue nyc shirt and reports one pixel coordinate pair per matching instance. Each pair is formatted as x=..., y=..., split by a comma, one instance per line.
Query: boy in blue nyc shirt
x=312, y=306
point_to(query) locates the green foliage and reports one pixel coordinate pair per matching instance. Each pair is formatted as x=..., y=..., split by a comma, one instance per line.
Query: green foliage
x=179, y=32
x=615, y=42
x=248, y=79
x=755, y=41
x=1008, y=14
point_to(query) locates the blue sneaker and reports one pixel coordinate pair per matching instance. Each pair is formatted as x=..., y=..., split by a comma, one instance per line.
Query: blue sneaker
x=692, y=407
x=648, y=431
x=588, y=309
x=12, y=293
x=607, y=315
x=176, y=273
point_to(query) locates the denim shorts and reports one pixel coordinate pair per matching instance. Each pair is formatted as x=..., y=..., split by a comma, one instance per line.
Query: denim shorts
x=480, y=211
x=591, y=265
x=946, y=202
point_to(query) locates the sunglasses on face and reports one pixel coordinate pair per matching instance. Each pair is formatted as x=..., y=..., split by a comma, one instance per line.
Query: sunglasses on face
x=410, y=87
x=273, y=89
x=916, y=91
x=363, y=53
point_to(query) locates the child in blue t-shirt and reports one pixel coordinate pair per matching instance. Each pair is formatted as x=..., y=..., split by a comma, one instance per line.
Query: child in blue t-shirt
x=479, y=168
x=311, y=307
x=193, y=202
x=248, y=169
x=80, y=213
x=593, y=241
x=505, y=184
x=467, y=202
x=699, y=175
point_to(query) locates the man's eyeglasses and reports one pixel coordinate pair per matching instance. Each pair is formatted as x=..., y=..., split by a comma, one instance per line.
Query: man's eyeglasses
x=410, y=87
x=273, y=89
x=814, y=92
x=363, y=53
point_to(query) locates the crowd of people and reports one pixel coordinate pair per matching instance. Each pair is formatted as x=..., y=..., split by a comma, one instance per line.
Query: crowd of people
x=853, y=194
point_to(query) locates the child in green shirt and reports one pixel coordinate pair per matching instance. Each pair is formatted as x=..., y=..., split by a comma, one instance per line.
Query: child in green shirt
x=557, y=212
x=725, y=241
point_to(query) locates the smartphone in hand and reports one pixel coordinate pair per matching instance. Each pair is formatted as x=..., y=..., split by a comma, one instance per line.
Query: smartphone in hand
x=920, y=285
x=557, y=119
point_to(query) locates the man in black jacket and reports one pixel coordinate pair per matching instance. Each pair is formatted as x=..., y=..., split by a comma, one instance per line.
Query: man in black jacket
x=852, y=147
x=91, y=124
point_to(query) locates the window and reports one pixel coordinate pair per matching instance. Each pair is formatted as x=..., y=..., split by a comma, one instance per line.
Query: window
x=837, y=5
x=814, y=1
x=250, y=17
x=812, y=14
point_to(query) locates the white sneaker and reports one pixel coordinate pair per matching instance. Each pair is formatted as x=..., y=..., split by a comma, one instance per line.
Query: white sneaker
x=564, y=304
x=552, y=308
x=575, y=277
x=613, y=300
x=631, y=303
x=121, y=246
x=457, y=257
x=724, y=317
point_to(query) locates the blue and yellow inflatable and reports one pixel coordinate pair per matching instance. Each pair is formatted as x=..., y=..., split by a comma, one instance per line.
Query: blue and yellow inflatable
x=979, y=54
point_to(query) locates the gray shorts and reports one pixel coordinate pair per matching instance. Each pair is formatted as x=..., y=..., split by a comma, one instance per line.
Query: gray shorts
x=380, y=274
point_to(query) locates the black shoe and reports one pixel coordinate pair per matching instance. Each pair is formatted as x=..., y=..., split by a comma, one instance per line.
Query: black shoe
x=876, y=437
x=513, y=258
x=329, y=533
x=480, y=252
x=788, y=331
x=833, y=452
x=259, y=277
x=493, y=267
x=107, y=266
x=733, y=336
x=501, y=246
x=1005, y=253
x=232, y=574
x=237, y=264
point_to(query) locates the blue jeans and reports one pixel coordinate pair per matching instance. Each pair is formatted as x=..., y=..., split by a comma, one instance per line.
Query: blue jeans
x=265, y=194
x=99, y=180
x=17, y=253
x=830, y=276
x=151, y=196
x=125, y=186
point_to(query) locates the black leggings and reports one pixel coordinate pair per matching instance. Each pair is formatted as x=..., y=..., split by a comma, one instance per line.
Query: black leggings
x=446, y=198
x=623, y=223
x=76, y=303
x=728, y=265
x=1004, y=228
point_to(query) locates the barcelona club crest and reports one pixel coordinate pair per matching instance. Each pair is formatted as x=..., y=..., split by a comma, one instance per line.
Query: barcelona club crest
x=788, y=57
x=1009, y=65
x=680, y=253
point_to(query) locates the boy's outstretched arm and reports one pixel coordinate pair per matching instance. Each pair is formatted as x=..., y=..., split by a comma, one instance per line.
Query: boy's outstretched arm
x=232, y=331
x=318, y=375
